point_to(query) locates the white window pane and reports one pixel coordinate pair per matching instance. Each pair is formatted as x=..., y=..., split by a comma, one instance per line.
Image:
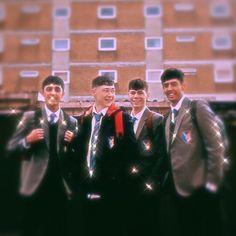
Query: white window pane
x=153, y=43
x=65, y=75
x=110, y=73
x=185, y=39
x=185, y=7
x=33, y=41
x=61, y=44
x=107, y=44
x=153, y=11
x=62, y=12
x=153, y=75
x=28, y=9
x=2, y=13
x=223, y=42
x=107, y=12
x=29, y=74
x=223, y=73
x=220, y=10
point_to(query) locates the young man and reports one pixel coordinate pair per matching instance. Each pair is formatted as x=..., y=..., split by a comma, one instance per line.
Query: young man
x=149, y=131
x=195, y=156
x=42, y=141
x=107, y=149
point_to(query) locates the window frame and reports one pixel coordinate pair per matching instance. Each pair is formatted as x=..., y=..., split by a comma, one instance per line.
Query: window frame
x=100, y=72
x=61, y=17
x=152, y=16
x=66, y=72
x=160, y=71
x=99, y=12
x=223, y=66
x=107, y=49
x=153, y=48
x=60, y=49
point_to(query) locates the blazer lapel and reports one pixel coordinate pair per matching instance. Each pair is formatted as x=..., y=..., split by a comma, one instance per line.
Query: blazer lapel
x=44, y=126
x=167, y=131
x=142, y=122
x=62, y=126
x=182, y=112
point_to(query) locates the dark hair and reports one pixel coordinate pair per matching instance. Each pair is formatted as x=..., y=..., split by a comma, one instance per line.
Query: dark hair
x=137, y=84
x=102, y=80
x=172, y=73
x=52, y=79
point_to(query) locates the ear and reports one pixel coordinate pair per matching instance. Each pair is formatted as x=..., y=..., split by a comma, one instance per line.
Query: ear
x=93, y=91
x=184, y=86
x=148, y=95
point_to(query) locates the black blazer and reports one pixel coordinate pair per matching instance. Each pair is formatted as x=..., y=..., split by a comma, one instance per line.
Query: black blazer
x=152, y=149
x=115, y=155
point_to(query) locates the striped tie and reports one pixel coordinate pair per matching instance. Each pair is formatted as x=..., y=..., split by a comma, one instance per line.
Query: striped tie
x=94, y=139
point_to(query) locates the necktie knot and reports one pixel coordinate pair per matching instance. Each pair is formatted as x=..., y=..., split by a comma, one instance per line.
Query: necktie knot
x=97, y=116
x=133, y=119
x=52, y=117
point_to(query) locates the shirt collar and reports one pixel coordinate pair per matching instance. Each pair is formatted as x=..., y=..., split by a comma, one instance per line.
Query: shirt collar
x=139, y=115
x=178, y=105
x=49, y=112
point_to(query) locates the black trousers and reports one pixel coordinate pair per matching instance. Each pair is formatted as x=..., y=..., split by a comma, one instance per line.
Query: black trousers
x=45, y=212
x=195, y=215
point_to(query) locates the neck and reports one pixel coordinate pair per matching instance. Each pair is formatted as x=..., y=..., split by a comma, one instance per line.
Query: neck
x=53, y=108
x=136, y=110
x=98, y=108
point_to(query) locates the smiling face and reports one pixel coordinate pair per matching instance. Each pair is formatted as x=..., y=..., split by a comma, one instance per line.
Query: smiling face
x=137, y=99
x=53, y=94
x=173, y=89
x=104, y=96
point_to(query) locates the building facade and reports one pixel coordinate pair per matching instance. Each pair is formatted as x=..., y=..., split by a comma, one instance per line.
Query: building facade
x=79, y=39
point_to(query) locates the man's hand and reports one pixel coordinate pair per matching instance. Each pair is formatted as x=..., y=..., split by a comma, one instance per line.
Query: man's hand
x=34, y=136
x=68, y=136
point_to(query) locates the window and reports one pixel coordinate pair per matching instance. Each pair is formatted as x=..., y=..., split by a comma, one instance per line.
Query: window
x=153, y=43
x=29, y=74
x=221, y=42
x=65, y=75
x=28, y=9
x=152, y=11
x=223, y=73
x=30, y=42
x=185, y=39
x=106, y=12
x=107, y=44
x=189, y=71
x=61, y=44
x=184, y=7
x=110, y=73
x=153, y=76
x=220, y=10
x=61, y=12
x=2, y=13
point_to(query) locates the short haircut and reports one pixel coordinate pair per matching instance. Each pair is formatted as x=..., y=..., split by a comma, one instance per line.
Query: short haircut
x=138, y=84
x=172, y=73
x=52, y=79
x=102, y=80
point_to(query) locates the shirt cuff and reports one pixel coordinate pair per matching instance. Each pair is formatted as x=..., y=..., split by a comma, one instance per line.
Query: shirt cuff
x=25, y=144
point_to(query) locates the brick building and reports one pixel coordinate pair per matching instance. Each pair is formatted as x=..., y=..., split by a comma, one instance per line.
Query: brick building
x=79, y=39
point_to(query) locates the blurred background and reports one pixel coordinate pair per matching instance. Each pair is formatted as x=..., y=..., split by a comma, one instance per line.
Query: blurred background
x=79, y=39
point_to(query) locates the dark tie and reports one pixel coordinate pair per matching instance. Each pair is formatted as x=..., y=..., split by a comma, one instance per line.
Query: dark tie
x=174, y=113
x=52, y=117
x=94, y=140
x=133, y=119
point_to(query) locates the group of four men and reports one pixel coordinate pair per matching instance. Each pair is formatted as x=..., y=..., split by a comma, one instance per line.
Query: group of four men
x=127, y=174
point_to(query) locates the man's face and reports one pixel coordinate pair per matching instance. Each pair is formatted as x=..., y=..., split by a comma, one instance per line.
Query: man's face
x=173, y=89
x=138, y=98
x=104, y=95
x=53, y=94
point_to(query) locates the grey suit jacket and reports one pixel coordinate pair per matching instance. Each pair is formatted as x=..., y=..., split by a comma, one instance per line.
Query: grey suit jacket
x=35, y=158
x=190, y=169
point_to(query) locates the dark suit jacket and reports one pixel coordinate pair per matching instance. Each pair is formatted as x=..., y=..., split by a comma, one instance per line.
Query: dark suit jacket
x=189, y=168
x=115, y=156
x=152, y=160
x=35, y=158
